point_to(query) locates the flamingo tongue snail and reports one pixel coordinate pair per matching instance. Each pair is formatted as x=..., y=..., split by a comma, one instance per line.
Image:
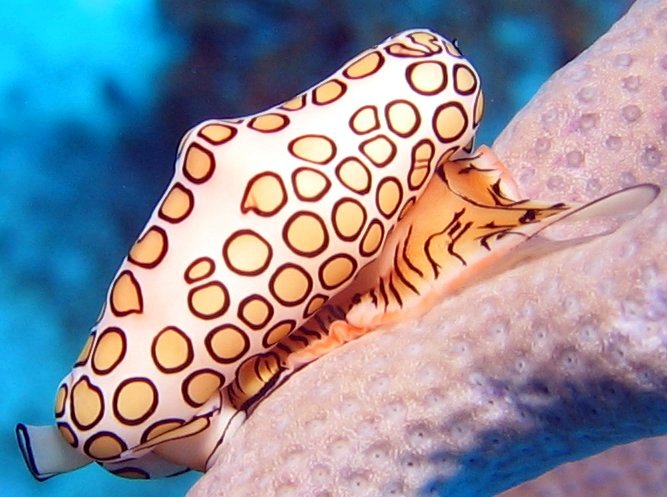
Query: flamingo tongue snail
x=282, y=235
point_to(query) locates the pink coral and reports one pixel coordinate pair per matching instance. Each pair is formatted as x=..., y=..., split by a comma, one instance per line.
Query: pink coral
x=636, y=470
x=555, y=360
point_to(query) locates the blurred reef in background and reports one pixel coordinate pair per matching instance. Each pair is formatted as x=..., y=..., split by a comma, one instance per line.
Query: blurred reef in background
x=94, y=97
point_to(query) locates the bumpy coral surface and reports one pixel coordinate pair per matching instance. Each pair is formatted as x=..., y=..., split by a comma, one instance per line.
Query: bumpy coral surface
x=558, y=359
x=637, y=470
x=626, y=112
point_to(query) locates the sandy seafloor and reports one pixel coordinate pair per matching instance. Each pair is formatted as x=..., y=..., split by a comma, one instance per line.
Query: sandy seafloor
x=94, y=96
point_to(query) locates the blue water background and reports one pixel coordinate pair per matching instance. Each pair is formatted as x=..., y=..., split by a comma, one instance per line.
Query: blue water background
x=94, y=96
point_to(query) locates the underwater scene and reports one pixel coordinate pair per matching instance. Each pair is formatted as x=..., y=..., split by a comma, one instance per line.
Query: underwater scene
x=95, y=97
